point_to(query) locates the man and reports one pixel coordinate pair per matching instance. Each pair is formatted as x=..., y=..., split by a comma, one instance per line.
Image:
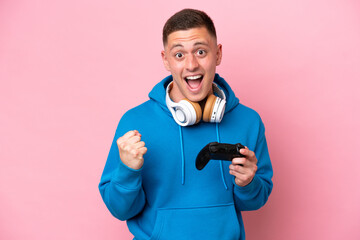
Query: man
x=150, y=178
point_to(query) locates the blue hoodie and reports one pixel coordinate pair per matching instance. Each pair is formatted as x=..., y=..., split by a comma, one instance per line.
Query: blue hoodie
x=168, y=198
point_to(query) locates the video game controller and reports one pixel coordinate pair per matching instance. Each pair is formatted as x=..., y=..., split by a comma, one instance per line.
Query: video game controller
x=218, y=151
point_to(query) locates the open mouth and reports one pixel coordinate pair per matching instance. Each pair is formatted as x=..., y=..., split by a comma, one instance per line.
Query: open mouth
x=194, y=81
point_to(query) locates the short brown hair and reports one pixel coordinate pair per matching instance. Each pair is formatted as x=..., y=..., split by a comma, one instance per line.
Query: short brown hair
x=186, y=19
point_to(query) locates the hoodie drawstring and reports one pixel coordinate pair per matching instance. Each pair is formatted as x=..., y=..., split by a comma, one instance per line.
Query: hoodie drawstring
x=182, y=157
x=220, y=162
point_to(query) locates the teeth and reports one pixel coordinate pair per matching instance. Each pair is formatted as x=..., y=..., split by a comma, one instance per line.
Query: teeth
x=193, y=77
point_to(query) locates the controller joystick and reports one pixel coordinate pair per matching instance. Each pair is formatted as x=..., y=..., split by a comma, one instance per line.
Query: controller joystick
x=218, y=151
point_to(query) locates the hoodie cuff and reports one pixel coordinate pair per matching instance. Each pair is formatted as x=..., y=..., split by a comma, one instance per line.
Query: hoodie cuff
x=127, y=177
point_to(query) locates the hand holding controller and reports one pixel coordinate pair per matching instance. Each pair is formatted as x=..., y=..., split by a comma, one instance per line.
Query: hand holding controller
x=218, y=151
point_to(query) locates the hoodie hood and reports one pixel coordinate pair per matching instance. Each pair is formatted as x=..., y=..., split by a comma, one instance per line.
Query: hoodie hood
x=158, y=93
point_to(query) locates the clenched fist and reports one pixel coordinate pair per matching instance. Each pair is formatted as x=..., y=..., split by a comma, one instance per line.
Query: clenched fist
x=132, y=149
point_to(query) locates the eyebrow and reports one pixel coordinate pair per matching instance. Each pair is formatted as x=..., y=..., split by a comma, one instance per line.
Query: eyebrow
x=176, y=45
x=195, y=44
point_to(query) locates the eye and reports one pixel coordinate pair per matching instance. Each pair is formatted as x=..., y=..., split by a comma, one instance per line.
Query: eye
x=179, y=55
x=201, y=52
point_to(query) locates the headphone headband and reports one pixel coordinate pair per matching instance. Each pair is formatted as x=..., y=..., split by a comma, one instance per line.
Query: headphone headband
x=219, y=92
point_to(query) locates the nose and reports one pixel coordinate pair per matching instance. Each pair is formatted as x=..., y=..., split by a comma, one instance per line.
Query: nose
x=192, y=63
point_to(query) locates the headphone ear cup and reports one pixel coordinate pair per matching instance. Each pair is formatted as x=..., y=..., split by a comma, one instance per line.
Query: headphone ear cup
x=209, y=106
x=197, y=108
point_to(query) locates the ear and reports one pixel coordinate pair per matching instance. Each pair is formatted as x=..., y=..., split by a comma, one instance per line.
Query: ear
x=218, y=54
x=165, y=61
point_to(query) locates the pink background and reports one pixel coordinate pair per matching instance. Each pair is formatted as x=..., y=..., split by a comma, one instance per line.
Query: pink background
x=70, y=69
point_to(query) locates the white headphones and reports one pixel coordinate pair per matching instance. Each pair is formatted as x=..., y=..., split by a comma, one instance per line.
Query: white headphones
x=186, y=113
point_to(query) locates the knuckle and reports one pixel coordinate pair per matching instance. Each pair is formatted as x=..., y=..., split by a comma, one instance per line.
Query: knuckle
x=127, y=148
x=134, y=152
x=122, y=145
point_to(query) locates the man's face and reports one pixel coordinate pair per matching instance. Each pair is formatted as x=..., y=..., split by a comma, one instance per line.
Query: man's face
x=191, y=56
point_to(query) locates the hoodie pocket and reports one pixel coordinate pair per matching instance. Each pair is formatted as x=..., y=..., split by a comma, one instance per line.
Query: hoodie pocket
x=213, y=222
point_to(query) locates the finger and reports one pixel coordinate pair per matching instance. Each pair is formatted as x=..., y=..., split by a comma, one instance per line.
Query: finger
x=237, y=174
x=139, y=144
x=129, y=134
x=247, y=153
x=138, y=152
x=241, y=179
x=134, y=139
x=237, y=168
x=240, y=161
x=128, y=145
x=126, y=136
x=244, y=151
x=137, y=133
x=142, y=151
x=243, y=162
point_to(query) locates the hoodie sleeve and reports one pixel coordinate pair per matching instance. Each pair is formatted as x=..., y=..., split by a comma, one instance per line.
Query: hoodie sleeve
x=254, y=195
x=120, y=186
